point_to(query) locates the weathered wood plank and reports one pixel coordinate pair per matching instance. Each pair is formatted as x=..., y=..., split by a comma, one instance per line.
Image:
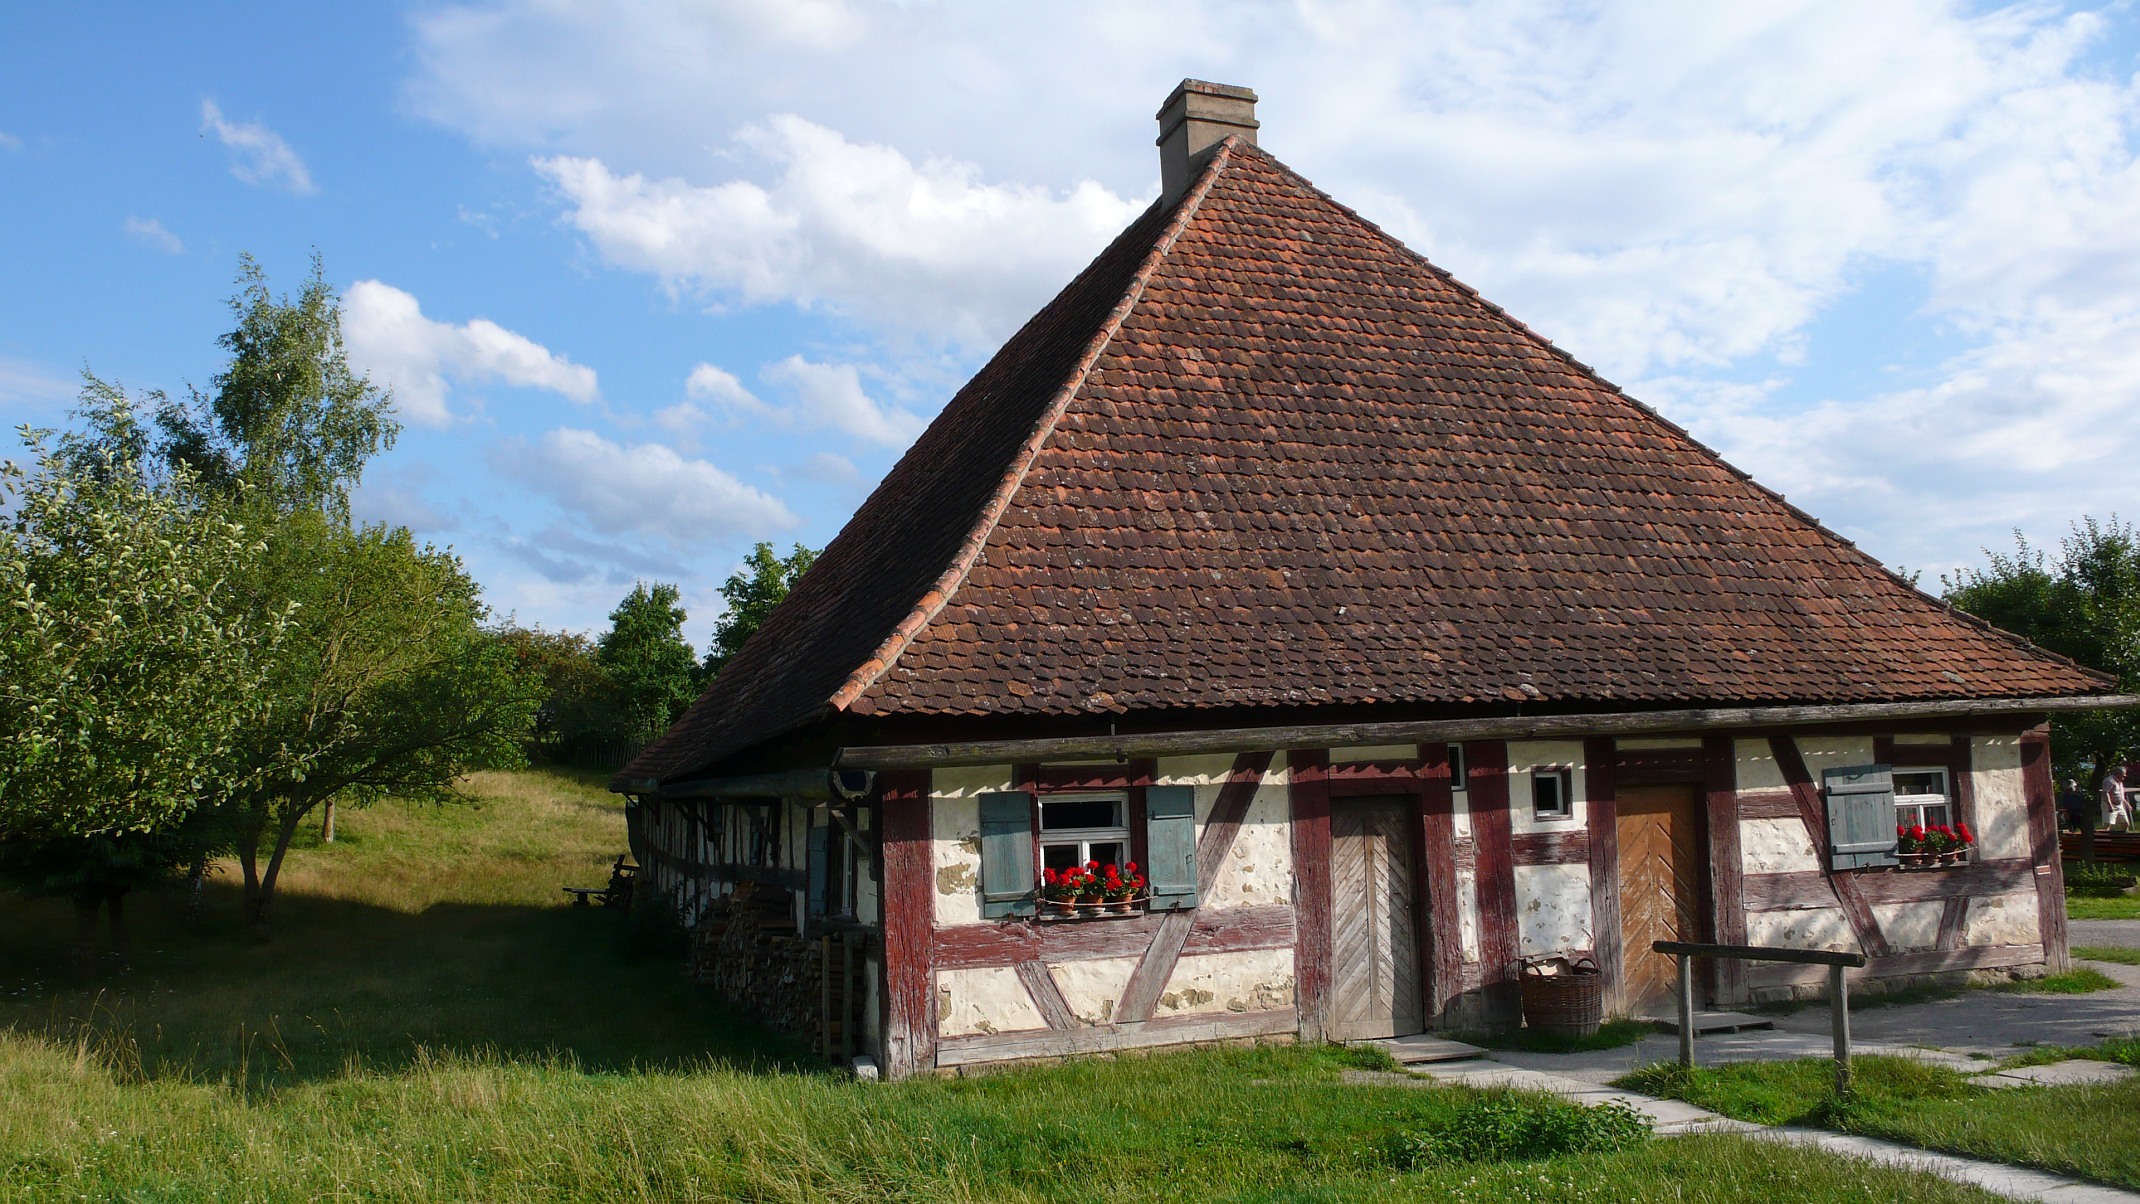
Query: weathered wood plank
x=1727, y=870
x=1046, y=996
x=1490, y=832
x=1768, y=804
x=1600, y=773
x=2037, y=790
x=1166, y=1030
x=1009, y=942
x=909, y=924
x=1935, y=961
x=1442, y=931
x=1952, y=915
x=1511, y=727
x=1550, y=848
x=1241, y=929
x=1862, y=923
x=1309, y=795
x=1806, y=889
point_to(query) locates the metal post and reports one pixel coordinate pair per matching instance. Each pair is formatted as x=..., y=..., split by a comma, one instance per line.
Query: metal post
x=1839, y=1025
x=1686, y=1010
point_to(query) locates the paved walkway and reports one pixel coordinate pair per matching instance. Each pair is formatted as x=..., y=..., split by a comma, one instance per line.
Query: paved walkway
x=2121, y=933
x=1972, y=1032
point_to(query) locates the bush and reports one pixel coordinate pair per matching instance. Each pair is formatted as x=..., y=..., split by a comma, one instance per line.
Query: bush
x=2098, y=881
x=1506, y=1127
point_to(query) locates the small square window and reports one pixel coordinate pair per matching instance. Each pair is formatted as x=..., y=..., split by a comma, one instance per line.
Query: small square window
x=1458, y=769
x=1921, y=798
x=1075, y=829
x=1551, y=795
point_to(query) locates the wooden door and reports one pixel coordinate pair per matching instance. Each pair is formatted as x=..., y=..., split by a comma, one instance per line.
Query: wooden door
x=1374, y=962
x=1660, y=889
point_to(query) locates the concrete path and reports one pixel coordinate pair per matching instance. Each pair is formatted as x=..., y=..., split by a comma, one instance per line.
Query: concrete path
x=2120, y=933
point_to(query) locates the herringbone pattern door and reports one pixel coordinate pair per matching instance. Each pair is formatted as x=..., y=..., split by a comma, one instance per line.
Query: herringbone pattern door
x=1374, y=936
x=1660, y=888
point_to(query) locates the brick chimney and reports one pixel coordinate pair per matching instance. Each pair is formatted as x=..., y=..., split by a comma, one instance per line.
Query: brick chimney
x=1197, y=117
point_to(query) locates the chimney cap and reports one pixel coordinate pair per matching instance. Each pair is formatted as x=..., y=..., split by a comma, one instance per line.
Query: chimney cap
x=1181, y=104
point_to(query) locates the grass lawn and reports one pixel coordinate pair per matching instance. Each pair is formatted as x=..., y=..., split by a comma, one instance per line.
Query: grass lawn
x=2108, y=953
x=2076, y=1130
x=431, y=1022
x=2124, y=907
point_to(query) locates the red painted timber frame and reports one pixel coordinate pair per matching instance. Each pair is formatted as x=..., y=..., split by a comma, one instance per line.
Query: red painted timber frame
x=1499, y=972
x=1807, y=795
x=1308, y=792
x=1443, y=955
x=1727, y=868
x=909, y=1021
x=1601, y=781
x=2038, y=791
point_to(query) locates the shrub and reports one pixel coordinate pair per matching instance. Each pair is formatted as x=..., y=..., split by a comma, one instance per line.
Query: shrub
x=1506, y=1127
x=2098, y=881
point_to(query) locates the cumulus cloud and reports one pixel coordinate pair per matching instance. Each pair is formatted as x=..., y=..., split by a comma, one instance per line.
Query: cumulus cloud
x=642, y=490
x=719, y=386
x=151, y=233
x=389, y=337
x=258, y=155
x=830, y=396
x=924, y=248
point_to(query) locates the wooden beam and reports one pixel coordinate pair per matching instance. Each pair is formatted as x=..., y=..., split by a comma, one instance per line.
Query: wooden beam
x=1499, y=975
x=1047, y=997
x=1009, y=942
x=2040, y=795
x=1308, y=793
x=1847, y=892
x=1934, y=961
x=1768, y=804
x=1571, y=847
x=1443, y=954
x=1727, y=869
x=1166, y=1030
x=1149, y=979
x=909, y=924
x=1505, y=727
x=1801, y=890
x=1601, y=779
x=1953, y=913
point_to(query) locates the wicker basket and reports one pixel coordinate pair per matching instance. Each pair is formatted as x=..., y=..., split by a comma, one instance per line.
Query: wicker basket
x=1563, y=996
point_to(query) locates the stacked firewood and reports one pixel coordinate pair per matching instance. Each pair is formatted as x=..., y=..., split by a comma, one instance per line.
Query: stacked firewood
x=747, y=950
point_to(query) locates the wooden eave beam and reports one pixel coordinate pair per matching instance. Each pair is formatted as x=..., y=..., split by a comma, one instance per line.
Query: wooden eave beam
x=1507, y=727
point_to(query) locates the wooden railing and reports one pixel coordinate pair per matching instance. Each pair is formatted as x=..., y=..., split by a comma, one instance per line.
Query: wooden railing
x=1838, y=990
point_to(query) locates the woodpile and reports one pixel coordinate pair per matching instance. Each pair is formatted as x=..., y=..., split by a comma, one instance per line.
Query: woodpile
x=746, y=948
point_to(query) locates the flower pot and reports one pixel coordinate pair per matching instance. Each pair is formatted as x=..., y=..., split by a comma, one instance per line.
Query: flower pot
x=1062, y=907
x=1122, y=907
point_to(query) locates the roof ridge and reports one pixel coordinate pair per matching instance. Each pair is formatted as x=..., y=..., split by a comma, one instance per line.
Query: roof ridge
x=1591, y=374
x=933, y=601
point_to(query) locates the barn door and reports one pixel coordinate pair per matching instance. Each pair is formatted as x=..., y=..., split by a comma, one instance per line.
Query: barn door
x=1374, y=935
x=1660, y=889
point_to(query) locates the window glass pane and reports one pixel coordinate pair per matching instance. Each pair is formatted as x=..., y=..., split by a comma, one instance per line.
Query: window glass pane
x=1106, y=852
x=1920, y=781
x=1080, y=813
x=1060, y=856
x=1549, y=792
x=1457, y=768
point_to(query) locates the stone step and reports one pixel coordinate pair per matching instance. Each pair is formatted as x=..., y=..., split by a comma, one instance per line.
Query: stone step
x=1420, y=1049
x=1714, y=1022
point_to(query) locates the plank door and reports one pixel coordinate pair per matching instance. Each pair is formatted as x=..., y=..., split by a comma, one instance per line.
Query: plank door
x=1374, y=960
x=1660, y=889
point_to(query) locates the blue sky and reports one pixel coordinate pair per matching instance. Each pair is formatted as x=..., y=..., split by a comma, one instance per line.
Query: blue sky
x=653, y=282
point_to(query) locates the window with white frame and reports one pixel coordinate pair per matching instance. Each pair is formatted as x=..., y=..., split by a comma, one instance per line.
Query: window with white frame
x=1457, y=768
x=1921, y=798
x=1552, y=792
x=1077, y=828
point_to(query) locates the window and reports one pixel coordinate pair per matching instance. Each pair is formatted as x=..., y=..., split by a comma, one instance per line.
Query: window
x=1551, y=793
x=1458, y=770
x=1921, y=798
x=1077, y=828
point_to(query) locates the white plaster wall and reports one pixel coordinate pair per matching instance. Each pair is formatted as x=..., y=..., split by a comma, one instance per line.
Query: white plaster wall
x=1757, y=766
x=1374, y=752
x=955, y=837
x=1229, y=982
x=2002, y=920
x=2002, y=823
x=1525, y=755
x=1467, y=912
x=1637, y=742
x=1817, y=928
x=1776, y=846
x=1460, y=811
x=1552, y=909
x=989, y=1000
x=1259, y=867
x=1092, y=987
x=1834, y=752
x=1909, y=926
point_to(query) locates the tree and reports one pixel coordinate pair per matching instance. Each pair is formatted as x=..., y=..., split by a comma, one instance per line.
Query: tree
x=646, y=655
x=2083, y=604
x=752, y=593
x=582, y=708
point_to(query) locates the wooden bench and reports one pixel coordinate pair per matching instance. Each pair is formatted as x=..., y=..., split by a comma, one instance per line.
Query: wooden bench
x=617, y=894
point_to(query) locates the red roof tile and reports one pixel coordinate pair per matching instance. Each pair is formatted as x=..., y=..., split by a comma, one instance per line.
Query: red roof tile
x=1260, y=454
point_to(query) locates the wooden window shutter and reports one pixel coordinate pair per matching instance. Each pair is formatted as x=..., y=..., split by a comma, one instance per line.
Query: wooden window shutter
x=818, y=874
x=1170, y=846
x=1861, y=816
x=1007, y=854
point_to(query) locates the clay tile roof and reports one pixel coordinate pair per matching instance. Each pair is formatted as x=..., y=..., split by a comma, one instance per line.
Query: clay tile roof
x=1260, y=454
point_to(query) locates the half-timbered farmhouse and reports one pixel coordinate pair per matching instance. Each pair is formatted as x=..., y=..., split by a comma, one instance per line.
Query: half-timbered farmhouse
x=1394, y=646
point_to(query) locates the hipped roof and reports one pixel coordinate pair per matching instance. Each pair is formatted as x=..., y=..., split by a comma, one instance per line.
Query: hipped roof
x=1259, y=454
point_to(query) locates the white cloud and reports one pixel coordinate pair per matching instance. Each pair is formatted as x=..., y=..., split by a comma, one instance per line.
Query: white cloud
x=258, y=155
x=923, y=249
x=642, y=489
x=831, y=396
x=708, y=383
x=826, y=468
x=150, y=233
x=25, y=383
x=417, y=357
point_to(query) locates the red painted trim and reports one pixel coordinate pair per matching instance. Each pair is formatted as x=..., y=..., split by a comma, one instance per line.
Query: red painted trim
x=1727, y=869
x=1862, y=922
x=2041, y=796
x=1801, y=889
x=1570, y=847
x=1010, y=942
x=1499, y=973
x=909, y=924
x=1769, y=804
x=1309, y=794
x=1962, y=779
x=1057, y=779
x=1601, y=762
x=1443, y=951
x=1357, y=778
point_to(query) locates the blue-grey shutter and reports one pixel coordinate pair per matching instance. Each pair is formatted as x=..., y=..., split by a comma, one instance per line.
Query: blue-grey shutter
x=1170, y=846
x=1007, y=886
x=1861, y=816
x=819, y=878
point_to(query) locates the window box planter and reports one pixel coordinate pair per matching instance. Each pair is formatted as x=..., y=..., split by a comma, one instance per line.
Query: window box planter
x=1064, y=911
